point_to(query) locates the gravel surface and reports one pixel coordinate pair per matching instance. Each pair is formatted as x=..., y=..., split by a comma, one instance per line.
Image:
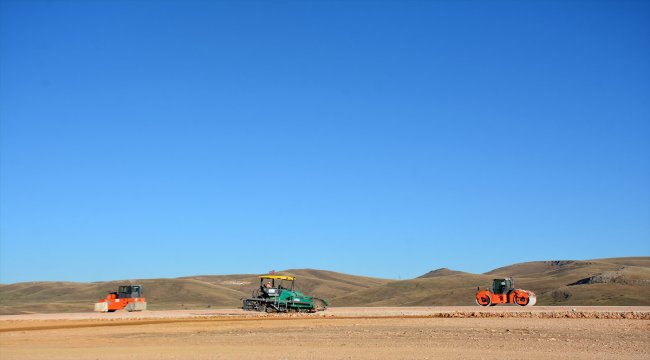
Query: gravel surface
x=432, y=311
x=338, y=333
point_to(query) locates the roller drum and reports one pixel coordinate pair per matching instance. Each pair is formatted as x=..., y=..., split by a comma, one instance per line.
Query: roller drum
x=532, y=298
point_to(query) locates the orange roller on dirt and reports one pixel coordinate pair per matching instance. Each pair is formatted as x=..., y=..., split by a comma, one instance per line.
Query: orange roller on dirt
x=503, y=292
x=127, y=297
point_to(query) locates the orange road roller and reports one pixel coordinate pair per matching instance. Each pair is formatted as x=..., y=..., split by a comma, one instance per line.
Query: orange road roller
x=127, y=297
x=503, y=292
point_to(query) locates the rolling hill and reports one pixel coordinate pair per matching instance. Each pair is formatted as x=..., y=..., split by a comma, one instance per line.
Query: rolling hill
x=194, y=292
x=618, y=281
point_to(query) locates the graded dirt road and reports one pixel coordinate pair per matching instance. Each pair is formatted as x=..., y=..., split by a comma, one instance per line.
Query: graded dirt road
x=338, y=333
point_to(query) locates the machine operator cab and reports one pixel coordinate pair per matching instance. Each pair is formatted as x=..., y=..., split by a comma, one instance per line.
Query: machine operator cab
x=272, y=285
x=129, y=291
x=502, y=286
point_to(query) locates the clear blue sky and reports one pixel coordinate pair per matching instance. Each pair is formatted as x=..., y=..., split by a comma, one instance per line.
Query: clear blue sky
x=145, y=139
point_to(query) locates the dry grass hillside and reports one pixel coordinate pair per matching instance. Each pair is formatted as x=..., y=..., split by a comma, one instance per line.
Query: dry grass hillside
x=72, y=297
x=195, y=292
x=455, y=289
x=320, y=283
x=619, y=281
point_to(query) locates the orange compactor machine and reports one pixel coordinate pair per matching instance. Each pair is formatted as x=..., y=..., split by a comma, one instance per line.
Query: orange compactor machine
x=127, y=297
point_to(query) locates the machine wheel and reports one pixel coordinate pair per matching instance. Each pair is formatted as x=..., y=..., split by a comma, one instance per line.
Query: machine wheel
x=487, y=302
x=529, y=300
x=521, y=301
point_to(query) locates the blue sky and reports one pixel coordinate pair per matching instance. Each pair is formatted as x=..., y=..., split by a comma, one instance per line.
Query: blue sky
x=144, y=139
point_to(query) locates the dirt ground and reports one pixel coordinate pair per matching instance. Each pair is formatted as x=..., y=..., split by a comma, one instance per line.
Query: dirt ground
x=338, y=333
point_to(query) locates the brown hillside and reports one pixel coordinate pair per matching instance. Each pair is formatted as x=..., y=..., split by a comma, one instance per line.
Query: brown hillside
x=196, y=292
x=319, y=283
x=71, y=297
x=456, y=289
x=619, y=281
x=440, y=272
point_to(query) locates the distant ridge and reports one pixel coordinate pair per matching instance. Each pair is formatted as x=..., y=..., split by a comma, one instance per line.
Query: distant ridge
x=616, y=281
x=440, y=272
